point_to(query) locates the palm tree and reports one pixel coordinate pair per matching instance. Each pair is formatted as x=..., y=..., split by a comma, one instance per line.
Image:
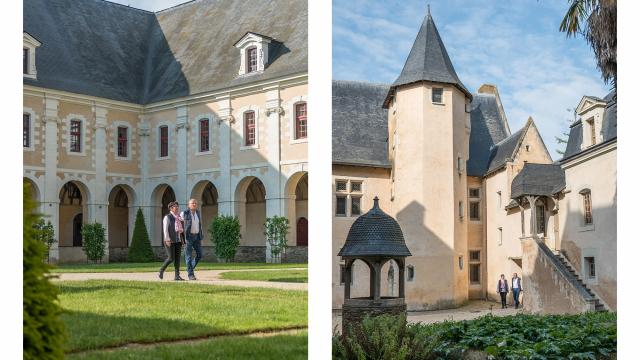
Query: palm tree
x=596, y=21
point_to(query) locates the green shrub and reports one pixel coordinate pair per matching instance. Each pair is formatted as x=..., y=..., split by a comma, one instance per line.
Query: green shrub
x=225, y=232
x=44, y=233
x=93, y=241
x=583, y=336
x=276, y=229
x=43, y=331
x=140, y=250
x=381, y=337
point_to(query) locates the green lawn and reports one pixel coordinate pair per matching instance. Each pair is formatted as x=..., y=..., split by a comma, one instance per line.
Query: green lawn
x=154, y=266
x=101, y=313
x=240, y=347
x=297, y=276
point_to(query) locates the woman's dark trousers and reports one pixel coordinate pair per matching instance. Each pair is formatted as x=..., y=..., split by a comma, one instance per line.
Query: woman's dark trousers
x=173, y=256
x=503, y=298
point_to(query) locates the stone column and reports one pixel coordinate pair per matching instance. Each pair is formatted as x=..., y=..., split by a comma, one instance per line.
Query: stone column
x=99, y=206
x=144, y=198
x=226, y=204
x=182, y=126
x=532, y=206
x=275, y=199
x=50, y=196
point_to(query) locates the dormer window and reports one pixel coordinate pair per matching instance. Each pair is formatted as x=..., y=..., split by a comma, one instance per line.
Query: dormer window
x=592, y=131
x=29, y=45
x=252, y=59
x=254, y=53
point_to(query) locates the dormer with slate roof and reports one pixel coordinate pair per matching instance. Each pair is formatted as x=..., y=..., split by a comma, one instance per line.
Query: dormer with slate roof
x=29, y=46
x=591, y=112
x=254, y=53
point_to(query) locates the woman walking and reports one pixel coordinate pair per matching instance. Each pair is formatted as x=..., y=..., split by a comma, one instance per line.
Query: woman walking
x=173, y=235
x=503, y=290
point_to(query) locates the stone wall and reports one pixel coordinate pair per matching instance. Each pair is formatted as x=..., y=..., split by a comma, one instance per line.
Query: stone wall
x=243, y=254
x=548, y=288
x=118, y=254
x=296, y=254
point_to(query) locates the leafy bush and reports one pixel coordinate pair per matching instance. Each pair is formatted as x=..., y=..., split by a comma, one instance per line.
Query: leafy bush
x=583, y=336
x=140, y=250
x=225, y=232
x=44, y=233
x=276, y=229
x=381, y=337
x=43, y=331
x=93, y=241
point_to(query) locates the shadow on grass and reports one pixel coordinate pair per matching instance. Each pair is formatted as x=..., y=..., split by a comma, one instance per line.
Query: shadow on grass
x=71, y=288
x=290, y=279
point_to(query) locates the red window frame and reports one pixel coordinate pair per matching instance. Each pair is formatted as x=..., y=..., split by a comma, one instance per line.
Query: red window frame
x=25, y=60
x=123, y=141
x=301, y=121
x=252, y=59
x=164, y=141
x=26, y=130
x=75, y=132
x=250, y=128
x=204, y=135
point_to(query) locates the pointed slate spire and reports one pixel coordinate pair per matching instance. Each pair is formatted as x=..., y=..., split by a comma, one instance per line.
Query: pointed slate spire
x=428, y=60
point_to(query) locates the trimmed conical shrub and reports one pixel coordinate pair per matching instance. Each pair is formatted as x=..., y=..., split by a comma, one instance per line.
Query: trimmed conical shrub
x=140, y=250
x=43, y=331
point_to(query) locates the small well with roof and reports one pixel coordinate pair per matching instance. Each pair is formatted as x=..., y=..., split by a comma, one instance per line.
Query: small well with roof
x=374, y=238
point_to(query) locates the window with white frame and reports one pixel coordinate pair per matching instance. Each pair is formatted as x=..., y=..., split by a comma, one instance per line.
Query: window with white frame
x=301, y=121
x=254, y=53
x=204, y=136
x=75, y=136
x=122, y=133
x=590, y=267
x=249, y=128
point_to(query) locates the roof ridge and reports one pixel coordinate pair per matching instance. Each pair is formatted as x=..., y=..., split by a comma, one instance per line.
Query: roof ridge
x=124, y=6
x=175, y=6
x=359, y=82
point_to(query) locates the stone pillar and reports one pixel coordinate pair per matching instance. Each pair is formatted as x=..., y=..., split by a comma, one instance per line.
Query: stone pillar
x=275, y=199
x=182, y=114
x=226, y=194
x=532, y=206
x=50, y=190
x=98, y=209
x=144, y=198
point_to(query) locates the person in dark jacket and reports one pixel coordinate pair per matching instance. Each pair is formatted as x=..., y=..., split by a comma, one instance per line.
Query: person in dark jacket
x=516, y=289
x=193, y=234
x=173, y=239
x=503, y=290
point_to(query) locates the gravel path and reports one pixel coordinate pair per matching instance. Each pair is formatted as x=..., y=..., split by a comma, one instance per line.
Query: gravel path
x=210, y=277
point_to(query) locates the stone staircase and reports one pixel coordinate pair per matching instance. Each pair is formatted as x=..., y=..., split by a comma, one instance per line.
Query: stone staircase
x=599, y=306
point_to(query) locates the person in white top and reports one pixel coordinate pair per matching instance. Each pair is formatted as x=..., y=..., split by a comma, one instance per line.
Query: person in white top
x=194, y=235
x=516, y=289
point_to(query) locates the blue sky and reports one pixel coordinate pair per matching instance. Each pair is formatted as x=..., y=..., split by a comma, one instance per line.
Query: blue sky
x=513, y=44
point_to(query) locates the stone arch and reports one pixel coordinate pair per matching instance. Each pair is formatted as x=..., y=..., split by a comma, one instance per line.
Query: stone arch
x=390, y=278
x=251, y=209
x=296, y=193
x=120, y=218
x=161, y=196
x=34, y=189
x=74, y=197
x=206, y=193
x=361, y=279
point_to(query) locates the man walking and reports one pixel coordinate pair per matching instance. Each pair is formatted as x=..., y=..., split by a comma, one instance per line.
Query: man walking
x=173, y=230
x=193, y=232
x=503, y=289
x=516, y=288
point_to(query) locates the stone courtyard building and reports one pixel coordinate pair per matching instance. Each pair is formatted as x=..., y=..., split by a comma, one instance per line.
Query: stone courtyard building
x=127, y=109
x=474, y=199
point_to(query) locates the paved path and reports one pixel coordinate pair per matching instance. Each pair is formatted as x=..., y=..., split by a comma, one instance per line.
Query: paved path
x=210, y=277
x=471, y=310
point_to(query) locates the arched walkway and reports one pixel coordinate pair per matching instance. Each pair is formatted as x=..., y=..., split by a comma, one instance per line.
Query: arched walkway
x=33, y=189
x=207, y=195
x=120, y=220
x=73, y=205
x=250, y=203
x=296, y=209
x=162, y=195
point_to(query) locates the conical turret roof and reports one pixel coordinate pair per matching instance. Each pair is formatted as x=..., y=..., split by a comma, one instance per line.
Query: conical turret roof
x=428, y=61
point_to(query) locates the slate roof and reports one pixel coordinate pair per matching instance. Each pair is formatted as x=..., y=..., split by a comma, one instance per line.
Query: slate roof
x=360, y=124
x=428, y=61
x=538, y=180
x=488, y=127
x=375, y=234
x=103, y=49
x=609, y=128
